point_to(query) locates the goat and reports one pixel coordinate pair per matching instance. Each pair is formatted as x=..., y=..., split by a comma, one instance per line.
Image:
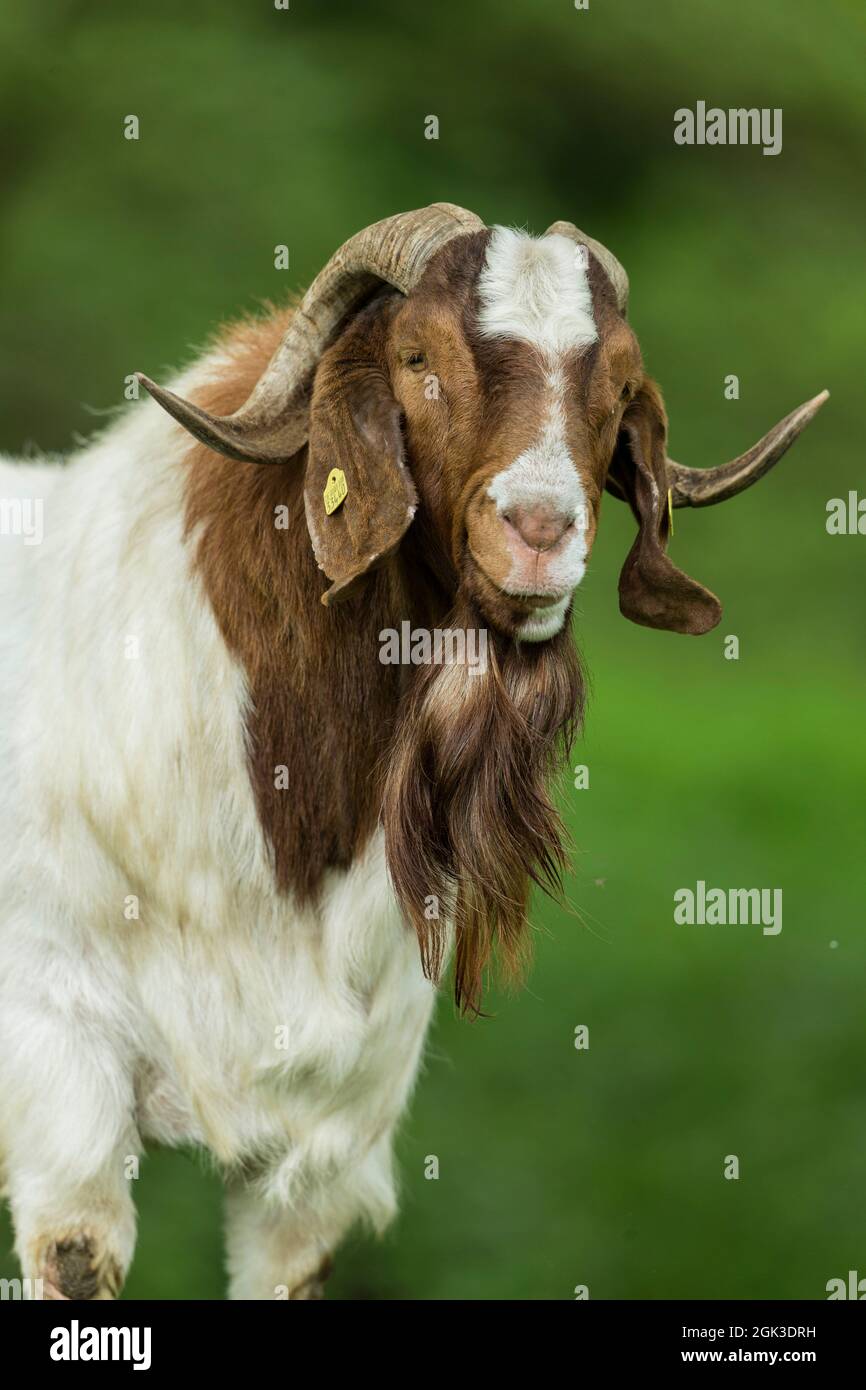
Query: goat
x=238, y=847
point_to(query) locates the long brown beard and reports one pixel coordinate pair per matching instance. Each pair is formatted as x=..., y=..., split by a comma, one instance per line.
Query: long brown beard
x=469, y=824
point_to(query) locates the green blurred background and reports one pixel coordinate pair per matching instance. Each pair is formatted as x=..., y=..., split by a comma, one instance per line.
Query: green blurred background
x=558, y=1167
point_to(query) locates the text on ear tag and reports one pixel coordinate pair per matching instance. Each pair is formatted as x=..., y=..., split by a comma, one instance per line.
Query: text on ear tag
x=336, y=489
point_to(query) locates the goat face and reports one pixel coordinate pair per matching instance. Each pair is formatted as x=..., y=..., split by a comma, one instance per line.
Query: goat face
x=495, y=391
x=513, y=367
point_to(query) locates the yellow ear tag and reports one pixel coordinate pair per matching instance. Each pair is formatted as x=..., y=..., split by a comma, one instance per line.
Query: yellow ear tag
x=671, y=511
x=336, y=489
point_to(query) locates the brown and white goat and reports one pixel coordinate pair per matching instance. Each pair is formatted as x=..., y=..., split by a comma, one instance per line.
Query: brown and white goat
x=223, y=815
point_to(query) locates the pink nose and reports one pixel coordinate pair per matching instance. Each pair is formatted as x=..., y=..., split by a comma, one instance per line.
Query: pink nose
x=539, y=525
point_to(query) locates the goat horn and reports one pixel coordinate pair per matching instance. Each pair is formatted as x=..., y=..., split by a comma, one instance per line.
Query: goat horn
x=702, y=487
x=612, y=267
x=272, y=424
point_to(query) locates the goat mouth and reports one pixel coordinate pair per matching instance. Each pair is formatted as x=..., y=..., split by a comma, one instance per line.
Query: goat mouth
x=525, y=598
x=535, y=601
x=507, y=612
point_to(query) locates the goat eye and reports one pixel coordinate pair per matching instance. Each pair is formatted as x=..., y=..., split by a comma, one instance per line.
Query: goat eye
x=417, y=361
x=625, y=393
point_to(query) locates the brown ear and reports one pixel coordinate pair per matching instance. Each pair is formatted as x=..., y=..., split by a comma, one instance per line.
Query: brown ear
x=355, y=427
x=652, y=591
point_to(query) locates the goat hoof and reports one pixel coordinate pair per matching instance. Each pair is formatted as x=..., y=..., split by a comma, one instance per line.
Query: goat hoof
x=74, y=1272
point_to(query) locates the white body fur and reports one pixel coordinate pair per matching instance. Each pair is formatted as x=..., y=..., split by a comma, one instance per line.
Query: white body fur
x=286, y=1042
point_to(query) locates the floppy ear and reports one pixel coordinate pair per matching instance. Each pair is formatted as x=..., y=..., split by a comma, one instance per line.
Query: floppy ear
x=652, y=591
x=355, y=428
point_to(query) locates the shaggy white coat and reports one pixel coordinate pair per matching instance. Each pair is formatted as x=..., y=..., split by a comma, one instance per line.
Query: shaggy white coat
x=152, y=983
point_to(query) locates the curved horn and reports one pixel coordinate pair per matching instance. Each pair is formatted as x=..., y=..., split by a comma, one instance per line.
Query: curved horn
x=272, y=424
x=702, y=487
x=614, y=270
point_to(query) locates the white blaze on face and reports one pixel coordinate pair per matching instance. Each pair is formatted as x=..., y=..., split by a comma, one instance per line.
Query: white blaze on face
x=536, y=290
